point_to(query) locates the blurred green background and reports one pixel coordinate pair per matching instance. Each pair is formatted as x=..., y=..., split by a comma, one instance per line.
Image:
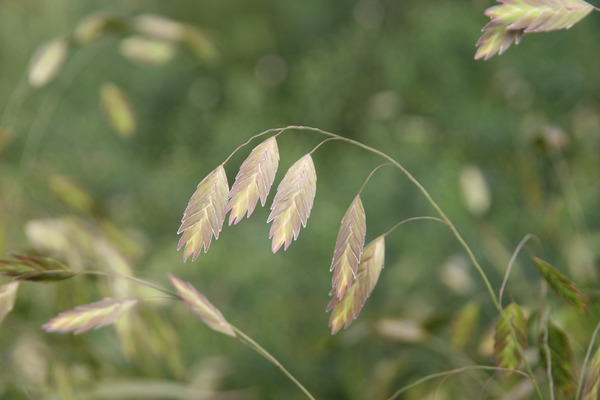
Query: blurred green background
x=506, y=147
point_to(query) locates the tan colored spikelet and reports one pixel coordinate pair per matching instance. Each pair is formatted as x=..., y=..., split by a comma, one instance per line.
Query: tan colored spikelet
x=90, y=316
x=204, y=215
x=293, y=202
x=496, y=40
x=346, y=309
x=465, y=324
x=118, y=109
x=371, y=264
x=348, y=247
x=592, y=381
x=561, y=285
x=159, y=27
x=8, y=294
x=506, y=346
x=47, y=61
x=147, y=51
x=511, y=19
x=200, y=305
x=94, y=26
x=254, y=180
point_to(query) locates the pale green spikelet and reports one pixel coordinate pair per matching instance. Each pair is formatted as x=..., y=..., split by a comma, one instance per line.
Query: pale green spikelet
x=511, y=19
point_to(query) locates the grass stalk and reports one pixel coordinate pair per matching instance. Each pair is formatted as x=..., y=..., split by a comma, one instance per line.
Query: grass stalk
x=247, y=340
x=442, y=214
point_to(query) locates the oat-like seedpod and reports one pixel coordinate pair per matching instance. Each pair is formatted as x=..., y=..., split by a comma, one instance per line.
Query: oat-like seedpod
x=511, y=19
x=118, y=109
x=348, y=247
x=293, y=202
x=90, y=316
x=562, y=361
x=35, y=268
x=561, y=285
x=254, y=180
x=47, y=62
x=204, y=215
x=200, y=305
x=506, y=345
x=346, y=309
x=8, y=294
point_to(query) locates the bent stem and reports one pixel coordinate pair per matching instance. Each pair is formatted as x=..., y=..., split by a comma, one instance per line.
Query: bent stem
x=444, y=217
x=511, y=263
x=452, y=372
x=247, y=340
x=241, y=336
x=131, y=278
x=427, y=196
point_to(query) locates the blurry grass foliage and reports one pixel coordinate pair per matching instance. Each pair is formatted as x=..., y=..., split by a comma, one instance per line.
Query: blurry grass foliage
x=372, y=71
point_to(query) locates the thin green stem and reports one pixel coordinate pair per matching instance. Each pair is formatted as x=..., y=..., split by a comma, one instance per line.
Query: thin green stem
x=281, y=130
x=393, y=228
x=371, y=174
x=427, y=196
x=321, y=144
x=247, y=340
x=130, y=278
x=510, y=265
x=452, y=372
x=459, y=357
x=443, y=215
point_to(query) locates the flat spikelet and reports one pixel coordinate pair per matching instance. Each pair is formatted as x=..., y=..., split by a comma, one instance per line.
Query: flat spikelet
x=47, y=62
x=8, y=293
x=35, y=268
x=561, y=285
x=346, y=309
x=561, y=359
x=254, y=180
x=293, y=202
x=348, y=247
x=200, y=305
x=204, y=215
x=511, y=19
x=506, y=346
x=90, y=316
x=496, y=40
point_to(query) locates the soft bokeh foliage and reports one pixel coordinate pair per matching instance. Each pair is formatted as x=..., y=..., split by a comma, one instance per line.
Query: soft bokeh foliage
x=399, y=76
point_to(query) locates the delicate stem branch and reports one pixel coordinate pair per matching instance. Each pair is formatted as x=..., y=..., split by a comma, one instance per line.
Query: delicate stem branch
x=451, y=372
x=443, y=215
x=321, y=144
x=130, y=278
x=427, y=196
x=393, y=228
x=370, y=175
x=510, y=264
x=242, y=337
x=281, y=130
